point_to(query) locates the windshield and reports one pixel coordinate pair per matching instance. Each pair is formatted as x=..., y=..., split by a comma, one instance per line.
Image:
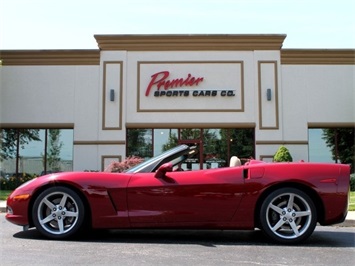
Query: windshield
x=152, y=163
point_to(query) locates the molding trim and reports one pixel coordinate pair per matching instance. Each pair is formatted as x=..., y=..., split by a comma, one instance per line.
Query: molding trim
x=330, y=125
x=282, y=142
x=263, y=157
x=99, y=142
x=198, y=42
x=49, y=57
x=38, y=126
x=120, y=95
x=276, y=97
x=179, y=43
x=104, y=157
x=190, y=125
x=318, y=56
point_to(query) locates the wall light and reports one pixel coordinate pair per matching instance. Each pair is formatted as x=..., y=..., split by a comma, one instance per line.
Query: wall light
x=268, y=94
x=112, y=95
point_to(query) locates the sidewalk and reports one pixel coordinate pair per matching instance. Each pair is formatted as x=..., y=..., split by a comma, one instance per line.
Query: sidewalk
x=349, y=222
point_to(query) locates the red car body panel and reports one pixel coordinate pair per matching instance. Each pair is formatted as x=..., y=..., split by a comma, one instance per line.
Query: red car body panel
x=216, y=198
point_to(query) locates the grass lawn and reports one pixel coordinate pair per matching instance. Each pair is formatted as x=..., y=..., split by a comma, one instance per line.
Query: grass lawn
x=352, y=201
x=5, y=193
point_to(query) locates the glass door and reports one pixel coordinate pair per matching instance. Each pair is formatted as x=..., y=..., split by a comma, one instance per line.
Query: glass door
x=196, y=161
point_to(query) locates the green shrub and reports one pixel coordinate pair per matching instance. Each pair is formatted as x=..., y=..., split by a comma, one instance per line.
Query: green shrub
x=352, y=182
x=12, y=182
x=282, y=155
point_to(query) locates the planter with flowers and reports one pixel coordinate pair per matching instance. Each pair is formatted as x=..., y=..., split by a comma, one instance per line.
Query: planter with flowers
x=119, y=167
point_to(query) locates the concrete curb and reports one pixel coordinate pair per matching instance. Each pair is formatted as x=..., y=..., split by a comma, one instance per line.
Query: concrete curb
x=349, y=221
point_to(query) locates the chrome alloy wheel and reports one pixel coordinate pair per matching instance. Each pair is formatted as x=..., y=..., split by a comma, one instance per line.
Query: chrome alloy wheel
x=58, y=212
x=288, y=215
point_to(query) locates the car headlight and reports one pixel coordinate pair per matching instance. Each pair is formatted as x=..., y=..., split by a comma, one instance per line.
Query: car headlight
x=9, y=210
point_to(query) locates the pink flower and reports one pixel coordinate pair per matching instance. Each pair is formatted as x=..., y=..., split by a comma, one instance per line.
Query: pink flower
x=118, y=167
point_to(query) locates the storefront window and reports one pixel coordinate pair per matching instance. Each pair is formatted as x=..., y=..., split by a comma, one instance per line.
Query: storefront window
x=216, y=145
x=59, y=155
x=34, y=152
x=332, y=145
x=242, y=143
x=164, y=139
x=317, y=147
x=140, y=143
x=214, y=148
x=190, y=134
x=30, y=159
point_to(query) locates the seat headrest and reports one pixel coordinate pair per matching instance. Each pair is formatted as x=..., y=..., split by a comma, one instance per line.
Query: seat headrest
x=234, y=161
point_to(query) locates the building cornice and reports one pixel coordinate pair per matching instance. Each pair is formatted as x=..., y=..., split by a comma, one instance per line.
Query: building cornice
x=38, y=125
x=190, y=125
x=49, y=57
x=190, y=42
x=330, y=124
x=92, y=57
x=318, y=56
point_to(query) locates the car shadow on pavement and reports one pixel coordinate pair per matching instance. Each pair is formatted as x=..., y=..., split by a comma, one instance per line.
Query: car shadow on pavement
x=208, y=238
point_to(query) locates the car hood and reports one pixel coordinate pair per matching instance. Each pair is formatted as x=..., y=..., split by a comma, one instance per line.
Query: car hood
x=80, y=180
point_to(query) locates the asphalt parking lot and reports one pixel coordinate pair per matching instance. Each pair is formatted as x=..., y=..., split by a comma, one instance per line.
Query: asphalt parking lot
x=327, y=246
x=332, y=245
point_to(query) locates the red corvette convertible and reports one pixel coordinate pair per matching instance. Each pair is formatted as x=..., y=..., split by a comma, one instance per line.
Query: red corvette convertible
x=284, y=200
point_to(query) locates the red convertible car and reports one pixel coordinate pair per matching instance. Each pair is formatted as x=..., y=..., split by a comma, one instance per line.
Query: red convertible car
x=284, y=200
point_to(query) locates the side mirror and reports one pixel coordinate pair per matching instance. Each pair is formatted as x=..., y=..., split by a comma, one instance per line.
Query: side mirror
x=162, y=170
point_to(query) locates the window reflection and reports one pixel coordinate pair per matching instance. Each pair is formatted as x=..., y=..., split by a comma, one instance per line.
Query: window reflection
x=164, y=139
x=216, y=145
x=30, y=159
x=34, y=152
x=332, y=145
x=317, y=147
x=140, y=143
x=59, y=152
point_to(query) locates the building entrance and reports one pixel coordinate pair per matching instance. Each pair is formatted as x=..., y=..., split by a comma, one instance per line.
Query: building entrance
x=216, y=145
x=195, y=162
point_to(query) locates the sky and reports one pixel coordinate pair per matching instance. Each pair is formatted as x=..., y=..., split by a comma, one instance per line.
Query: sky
x=72, y=24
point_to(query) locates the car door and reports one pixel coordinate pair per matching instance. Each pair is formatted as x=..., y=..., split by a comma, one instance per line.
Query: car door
x=202, y=196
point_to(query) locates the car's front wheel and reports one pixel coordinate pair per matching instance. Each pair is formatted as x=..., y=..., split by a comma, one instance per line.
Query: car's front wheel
x=58, y=212
x=288, y=216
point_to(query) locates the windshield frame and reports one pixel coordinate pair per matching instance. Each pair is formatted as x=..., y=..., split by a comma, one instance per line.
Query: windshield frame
x=152, y=164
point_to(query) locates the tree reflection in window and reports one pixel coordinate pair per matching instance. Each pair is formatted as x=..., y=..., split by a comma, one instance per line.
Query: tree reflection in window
x=34, y=152
x=139, y=143
x=218, y=145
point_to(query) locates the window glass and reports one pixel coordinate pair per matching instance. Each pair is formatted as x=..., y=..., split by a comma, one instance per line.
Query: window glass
x=214, y=149
x=317, y=147
x=164, y=139
x=190, y=133
x=66, y=155
x=242, y=143
x=216, y=145
x=332, y=145
x=8, y=151
x=31, y=154
x=59, y=155
x=139, y=143
x=34, y=152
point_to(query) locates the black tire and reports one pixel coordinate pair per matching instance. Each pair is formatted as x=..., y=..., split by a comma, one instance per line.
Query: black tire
x=58, y=213
x=288, y=216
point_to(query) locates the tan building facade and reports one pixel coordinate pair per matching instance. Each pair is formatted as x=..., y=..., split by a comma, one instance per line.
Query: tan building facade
x=178, y=81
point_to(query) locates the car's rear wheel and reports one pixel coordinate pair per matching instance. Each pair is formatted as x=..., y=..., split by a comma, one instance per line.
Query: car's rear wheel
x=288, y=216
x=58, y=212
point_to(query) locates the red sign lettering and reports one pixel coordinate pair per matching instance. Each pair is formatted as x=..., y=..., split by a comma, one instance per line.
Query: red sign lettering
x=160, y=81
